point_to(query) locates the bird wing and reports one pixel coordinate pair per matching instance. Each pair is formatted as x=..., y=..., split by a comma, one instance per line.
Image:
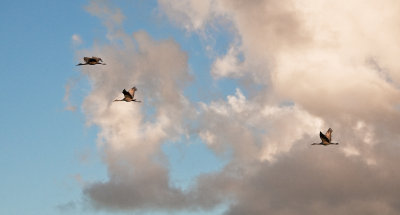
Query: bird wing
x=329, y=134
x=132, y=91
x=86, y=59
x=324, y=139
x=127, y=94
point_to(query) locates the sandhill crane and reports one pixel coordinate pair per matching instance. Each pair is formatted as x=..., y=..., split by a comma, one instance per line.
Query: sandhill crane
x=128, y=95
x=91, y=61
x=326, y=139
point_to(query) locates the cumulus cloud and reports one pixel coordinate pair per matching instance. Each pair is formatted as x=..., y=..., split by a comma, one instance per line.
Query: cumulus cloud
x=255, y=131
x=228, y=65
x=330, y=60
x=319, y=64
x=130, y=137
x=318, y=180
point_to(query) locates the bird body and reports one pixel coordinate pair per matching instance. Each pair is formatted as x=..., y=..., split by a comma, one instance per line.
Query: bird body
x=326, y=138
x=128, y=95
x=91, y=61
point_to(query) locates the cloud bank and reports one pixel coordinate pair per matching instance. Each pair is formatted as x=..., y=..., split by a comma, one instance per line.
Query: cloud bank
x=319, y=65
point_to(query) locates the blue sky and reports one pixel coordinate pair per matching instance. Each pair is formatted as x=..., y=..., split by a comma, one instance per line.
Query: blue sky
x=40, y=140
x=233, y=94
x=44, y=147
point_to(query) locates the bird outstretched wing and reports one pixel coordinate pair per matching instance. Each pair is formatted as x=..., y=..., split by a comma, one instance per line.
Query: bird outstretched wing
x=329, y=134
x=324, y=139
x=132, y=91
x=127, y=94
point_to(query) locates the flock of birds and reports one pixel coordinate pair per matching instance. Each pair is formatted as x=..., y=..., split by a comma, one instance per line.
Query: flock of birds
x=130, y=94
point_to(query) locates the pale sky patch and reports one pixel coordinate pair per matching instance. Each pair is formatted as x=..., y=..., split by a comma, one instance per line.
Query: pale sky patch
x=76, y=39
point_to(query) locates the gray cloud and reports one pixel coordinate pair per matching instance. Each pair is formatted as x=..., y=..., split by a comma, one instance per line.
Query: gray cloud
x=319, y=180
x=326, y=59
x=130, y=137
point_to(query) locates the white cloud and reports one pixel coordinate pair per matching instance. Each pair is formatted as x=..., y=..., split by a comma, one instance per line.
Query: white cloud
x=191, y=14
x=228, y=65
x=207, y=137
x=334, y=61
x=131, y=141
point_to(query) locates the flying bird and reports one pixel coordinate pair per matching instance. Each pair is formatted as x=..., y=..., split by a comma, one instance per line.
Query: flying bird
x=91, y=61
x=326, y=139
x=128, y=95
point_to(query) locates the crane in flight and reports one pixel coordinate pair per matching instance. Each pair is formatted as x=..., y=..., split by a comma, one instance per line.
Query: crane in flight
x=326, y=138
x=128, y=95
x=91, y=61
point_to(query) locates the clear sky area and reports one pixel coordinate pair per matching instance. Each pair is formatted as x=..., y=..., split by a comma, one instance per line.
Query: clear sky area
x=233, y=93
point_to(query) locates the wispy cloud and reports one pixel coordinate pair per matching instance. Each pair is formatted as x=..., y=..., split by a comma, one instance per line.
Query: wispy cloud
x=76, y=39
x=192, y=15
x=67, y=207
x=67, y=96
